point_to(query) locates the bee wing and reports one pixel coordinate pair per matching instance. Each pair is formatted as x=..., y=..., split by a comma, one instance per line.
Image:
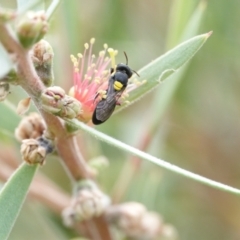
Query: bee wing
x=105, y=107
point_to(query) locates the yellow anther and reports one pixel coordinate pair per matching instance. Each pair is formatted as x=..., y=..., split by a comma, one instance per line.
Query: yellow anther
x=105, y=72
x=86, y=45
x=97, y=80
x=93, y=56
x=110, y=50
x=101, y=53
x=112, y=54
x=73, y=58
x=92, y=40
x=79, y=55
x=76, y=69
x=105, y=46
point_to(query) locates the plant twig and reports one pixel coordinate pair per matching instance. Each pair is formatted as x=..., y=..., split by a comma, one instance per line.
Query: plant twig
x=65, y=143
x=34, y=87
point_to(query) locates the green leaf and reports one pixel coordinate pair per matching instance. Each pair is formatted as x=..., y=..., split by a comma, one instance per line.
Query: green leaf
x=181, y=10
x=51, y=9
x=12, y=196
x=5, y=62
x=143, y=155
x=161, y=68
x=194, y=22
x=164, y=94
x=6, y=136
x=8, y=112
x=43, y=226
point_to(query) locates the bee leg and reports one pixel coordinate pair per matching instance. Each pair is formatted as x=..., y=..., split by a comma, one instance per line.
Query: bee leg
x=96, y=96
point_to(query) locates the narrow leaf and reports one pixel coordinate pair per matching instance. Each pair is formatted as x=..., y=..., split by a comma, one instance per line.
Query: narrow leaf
x=178, y=19
x=12, y=196
x=165, y=65
x=43, y=226
x=168, y=166
x=51, y=9
x=165, y=93
x=8, y=111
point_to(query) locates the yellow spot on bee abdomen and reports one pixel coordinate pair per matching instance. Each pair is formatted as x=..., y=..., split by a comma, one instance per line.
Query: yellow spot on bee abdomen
x=117, y=85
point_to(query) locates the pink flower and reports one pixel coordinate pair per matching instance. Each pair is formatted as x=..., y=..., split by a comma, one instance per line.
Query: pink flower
x=91, y=75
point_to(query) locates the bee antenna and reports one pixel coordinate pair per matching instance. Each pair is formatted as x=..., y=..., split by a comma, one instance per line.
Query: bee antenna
x=136, y=73
x=126, y=57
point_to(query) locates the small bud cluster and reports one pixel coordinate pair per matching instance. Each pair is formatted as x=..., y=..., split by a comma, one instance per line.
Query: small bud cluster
x=55, y=101
x=32, y=152
x=135, y=222
x=87, y=202
x=35, y=145
x=32, y=126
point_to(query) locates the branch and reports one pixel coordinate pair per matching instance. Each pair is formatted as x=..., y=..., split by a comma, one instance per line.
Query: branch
x=31, y=83
x=65, y=143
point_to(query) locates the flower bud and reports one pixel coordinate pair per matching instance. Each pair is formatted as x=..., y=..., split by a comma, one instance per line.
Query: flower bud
x=87, y=202
x=42, y=57
x=55, y=101
x=32, y=126
x=4, y=90
x=32, y=28
x=32, y=152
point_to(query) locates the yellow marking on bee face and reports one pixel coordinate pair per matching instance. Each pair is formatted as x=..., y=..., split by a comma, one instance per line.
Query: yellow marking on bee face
x=117, y=85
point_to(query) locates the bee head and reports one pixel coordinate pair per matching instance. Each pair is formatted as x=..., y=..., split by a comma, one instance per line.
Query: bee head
x=123, y=68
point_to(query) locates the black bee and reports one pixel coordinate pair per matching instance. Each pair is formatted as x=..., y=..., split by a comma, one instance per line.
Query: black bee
x=116, y=85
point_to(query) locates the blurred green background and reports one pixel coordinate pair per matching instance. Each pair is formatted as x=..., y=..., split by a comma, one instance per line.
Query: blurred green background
x=199, y=130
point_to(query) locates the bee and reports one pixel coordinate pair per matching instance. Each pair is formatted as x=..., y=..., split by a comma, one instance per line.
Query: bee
x=116, y=85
